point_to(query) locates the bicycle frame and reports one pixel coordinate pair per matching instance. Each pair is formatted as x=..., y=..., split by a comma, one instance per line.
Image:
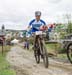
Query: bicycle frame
x=39, y=41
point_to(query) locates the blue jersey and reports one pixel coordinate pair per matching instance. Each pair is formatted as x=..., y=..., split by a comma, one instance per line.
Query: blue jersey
x=36, y=24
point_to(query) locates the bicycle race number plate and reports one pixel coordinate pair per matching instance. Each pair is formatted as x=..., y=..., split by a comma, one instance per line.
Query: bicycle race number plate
x=38, y=33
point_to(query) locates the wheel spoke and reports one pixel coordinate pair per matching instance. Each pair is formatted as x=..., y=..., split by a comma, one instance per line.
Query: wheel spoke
x=70, y=52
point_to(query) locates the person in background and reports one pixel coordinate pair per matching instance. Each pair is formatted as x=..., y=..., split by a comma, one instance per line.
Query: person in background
x=26, y=44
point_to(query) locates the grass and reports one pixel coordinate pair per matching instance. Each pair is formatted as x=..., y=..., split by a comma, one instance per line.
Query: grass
x=55, y=47
x=62, y=56
x=52, y=48
x=4, y=65
x=5, y=48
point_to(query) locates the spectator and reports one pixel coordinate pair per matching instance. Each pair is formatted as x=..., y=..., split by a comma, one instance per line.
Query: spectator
x=26, y=44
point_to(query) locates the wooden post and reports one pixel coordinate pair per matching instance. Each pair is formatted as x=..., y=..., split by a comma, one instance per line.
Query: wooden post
x=2, y=47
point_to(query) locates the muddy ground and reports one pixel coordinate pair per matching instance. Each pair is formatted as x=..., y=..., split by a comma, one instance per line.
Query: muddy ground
x=24, y=64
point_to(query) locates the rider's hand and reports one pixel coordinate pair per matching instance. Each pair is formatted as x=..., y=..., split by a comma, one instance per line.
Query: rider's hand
x=28, y=28
x=44, y=27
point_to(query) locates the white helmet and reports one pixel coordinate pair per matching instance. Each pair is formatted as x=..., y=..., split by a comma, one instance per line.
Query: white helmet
x=37, y=13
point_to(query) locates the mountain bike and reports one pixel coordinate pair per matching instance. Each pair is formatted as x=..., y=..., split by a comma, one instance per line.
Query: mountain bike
x=40, y=50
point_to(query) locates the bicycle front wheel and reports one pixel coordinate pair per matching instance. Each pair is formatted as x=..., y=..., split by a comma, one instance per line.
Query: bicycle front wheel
x=69, y=52
x=45, y=59
x=45, y=55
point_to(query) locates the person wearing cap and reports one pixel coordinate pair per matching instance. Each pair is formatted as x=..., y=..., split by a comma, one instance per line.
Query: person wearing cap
x=36, y=23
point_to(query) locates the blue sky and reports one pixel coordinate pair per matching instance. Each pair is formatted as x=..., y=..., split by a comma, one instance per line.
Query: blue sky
x=16, y=14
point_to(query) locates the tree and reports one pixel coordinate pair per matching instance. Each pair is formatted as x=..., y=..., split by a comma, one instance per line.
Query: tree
x=69, y=27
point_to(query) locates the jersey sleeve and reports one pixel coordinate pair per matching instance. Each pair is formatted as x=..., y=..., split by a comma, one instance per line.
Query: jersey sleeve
x=44, y=23
x=31, y=22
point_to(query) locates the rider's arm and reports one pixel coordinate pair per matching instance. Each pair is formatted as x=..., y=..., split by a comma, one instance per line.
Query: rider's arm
x=28, y=27
x=43, y=26
x=43, y=22
x=30, y=24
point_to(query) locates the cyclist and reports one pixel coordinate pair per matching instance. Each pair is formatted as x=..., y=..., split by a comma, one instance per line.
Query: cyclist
x=36, y=23
x=39, y=46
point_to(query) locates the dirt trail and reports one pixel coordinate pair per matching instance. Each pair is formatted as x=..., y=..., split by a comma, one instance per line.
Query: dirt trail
x=24, y=63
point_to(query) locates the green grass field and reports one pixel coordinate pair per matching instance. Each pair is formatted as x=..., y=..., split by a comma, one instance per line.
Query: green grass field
x=54, y=48
x=4, y=65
